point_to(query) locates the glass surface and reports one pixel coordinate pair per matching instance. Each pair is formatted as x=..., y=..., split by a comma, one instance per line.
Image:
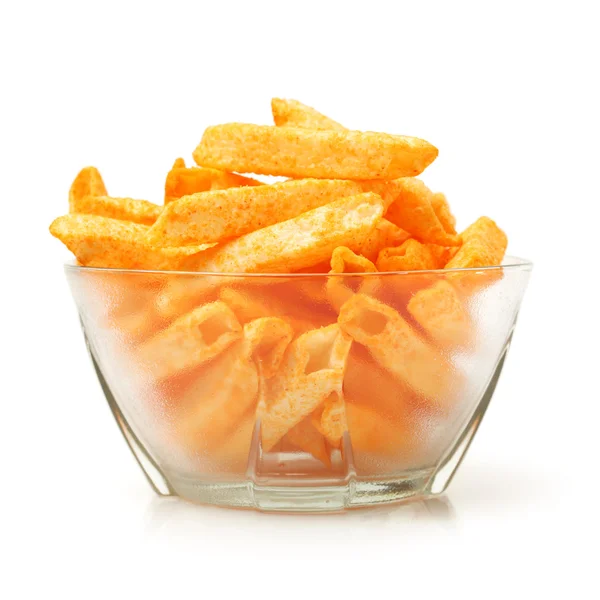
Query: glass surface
x=305, y=392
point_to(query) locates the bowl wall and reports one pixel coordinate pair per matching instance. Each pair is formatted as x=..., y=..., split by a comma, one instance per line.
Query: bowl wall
x=301, y=393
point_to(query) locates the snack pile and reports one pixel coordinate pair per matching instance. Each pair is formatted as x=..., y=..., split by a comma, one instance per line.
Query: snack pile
x=311, y=358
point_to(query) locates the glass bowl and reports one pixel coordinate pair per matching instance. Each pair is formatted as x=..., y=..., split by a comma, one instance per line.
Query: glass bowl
x=303, y=392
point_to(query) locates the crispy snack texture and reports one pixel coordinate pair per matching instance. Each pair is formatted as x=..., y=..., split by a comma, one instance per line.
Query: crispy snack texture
x=483, y=245
x=291, y=113
x=221, y=215
x=101, y=242
x=182, y=181
x=298, y=152
x=312, y=370
x=397, y=347
x=191, y=340
x=87, y=183
x=124, y=209
x=298, y=243
x=441, y=313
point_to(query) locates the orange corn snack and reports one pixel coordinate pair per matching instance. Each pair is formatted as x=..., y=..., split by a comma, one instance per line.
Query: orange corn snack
x=124, y=209
x=412, y=210
x=441, y=313
x=343, y=260
x=215, y=404
x=227, y=389
x=179, y=163
x=87, y=183
x=384, y=235
x=312, y=370
x=307, y=438
x=183, y=181
x=292, y=113
x=397, y=347
x=330, y=419
x=483, y=245
x=265, y=341
x=191, y=340
x=254, y=302
x=442, y=211
x=367, y=382
x=340, y=289
x=306, y=240
x=101, y=242
x=297, y=152
x=220, y=215
x=412, y=256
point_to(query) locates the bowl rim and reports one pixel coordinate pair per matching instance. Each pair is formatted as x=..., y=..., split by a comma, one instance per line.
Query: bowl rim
x=510, y=263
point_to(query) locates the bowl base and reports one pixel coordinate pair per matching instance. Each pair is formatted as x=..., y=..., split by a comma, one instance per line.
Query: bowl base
x=355, y=493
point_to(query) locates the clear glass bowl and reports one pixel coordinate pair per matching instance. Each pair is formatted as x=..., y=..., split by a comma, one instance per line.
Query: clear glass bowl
x=304, y=392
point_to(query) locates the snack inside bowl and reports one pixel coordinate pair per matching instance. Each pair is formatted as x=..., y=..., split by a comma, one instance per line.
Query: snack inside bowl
x=299, y=392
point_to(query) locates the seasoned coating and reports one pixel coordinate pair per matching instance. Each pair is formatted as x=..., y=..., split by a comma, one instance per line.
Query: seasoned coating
x=442, y=211
x=312, y=369
x=221, y=215
x=123, y=209
x=298, y=243
x=412, y=210
x=87, y=183
x=340, y=289
x=191, y=340
x=483, y=245
x=292, y=113
x=384, y=235
x=182, y=181
x=326, y=154
x=413, y=256
x=397, y=347
x=101, y=242
x=441, y=313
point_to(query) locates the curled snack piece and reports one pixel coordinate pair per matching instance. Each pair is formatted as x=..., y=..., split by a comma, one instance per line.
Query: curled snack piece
x=87, y=183
x=182, y=181
x=215, y=404
x=367, y=382
x=340, y=289
x=179, y=163
x=412, y=210
x=123, y=209
x=292, y=113
x=298, y=152
x=343, y=260
x=306, y=240
x=227, y=389
x=307, y=438
x=443, y=213
x=412, y=256
x=266, y=340
x=395, y=345
x=384, y=235
x=191, y=340
x=331, y=420
x=312, y=369
x=483, y=245
x=441, y=313
x=220, y=215
x=101, y=242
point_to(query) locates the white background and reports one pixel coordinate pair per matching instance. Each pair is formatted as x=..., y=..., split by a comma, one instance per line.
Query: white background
x=509, y=94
